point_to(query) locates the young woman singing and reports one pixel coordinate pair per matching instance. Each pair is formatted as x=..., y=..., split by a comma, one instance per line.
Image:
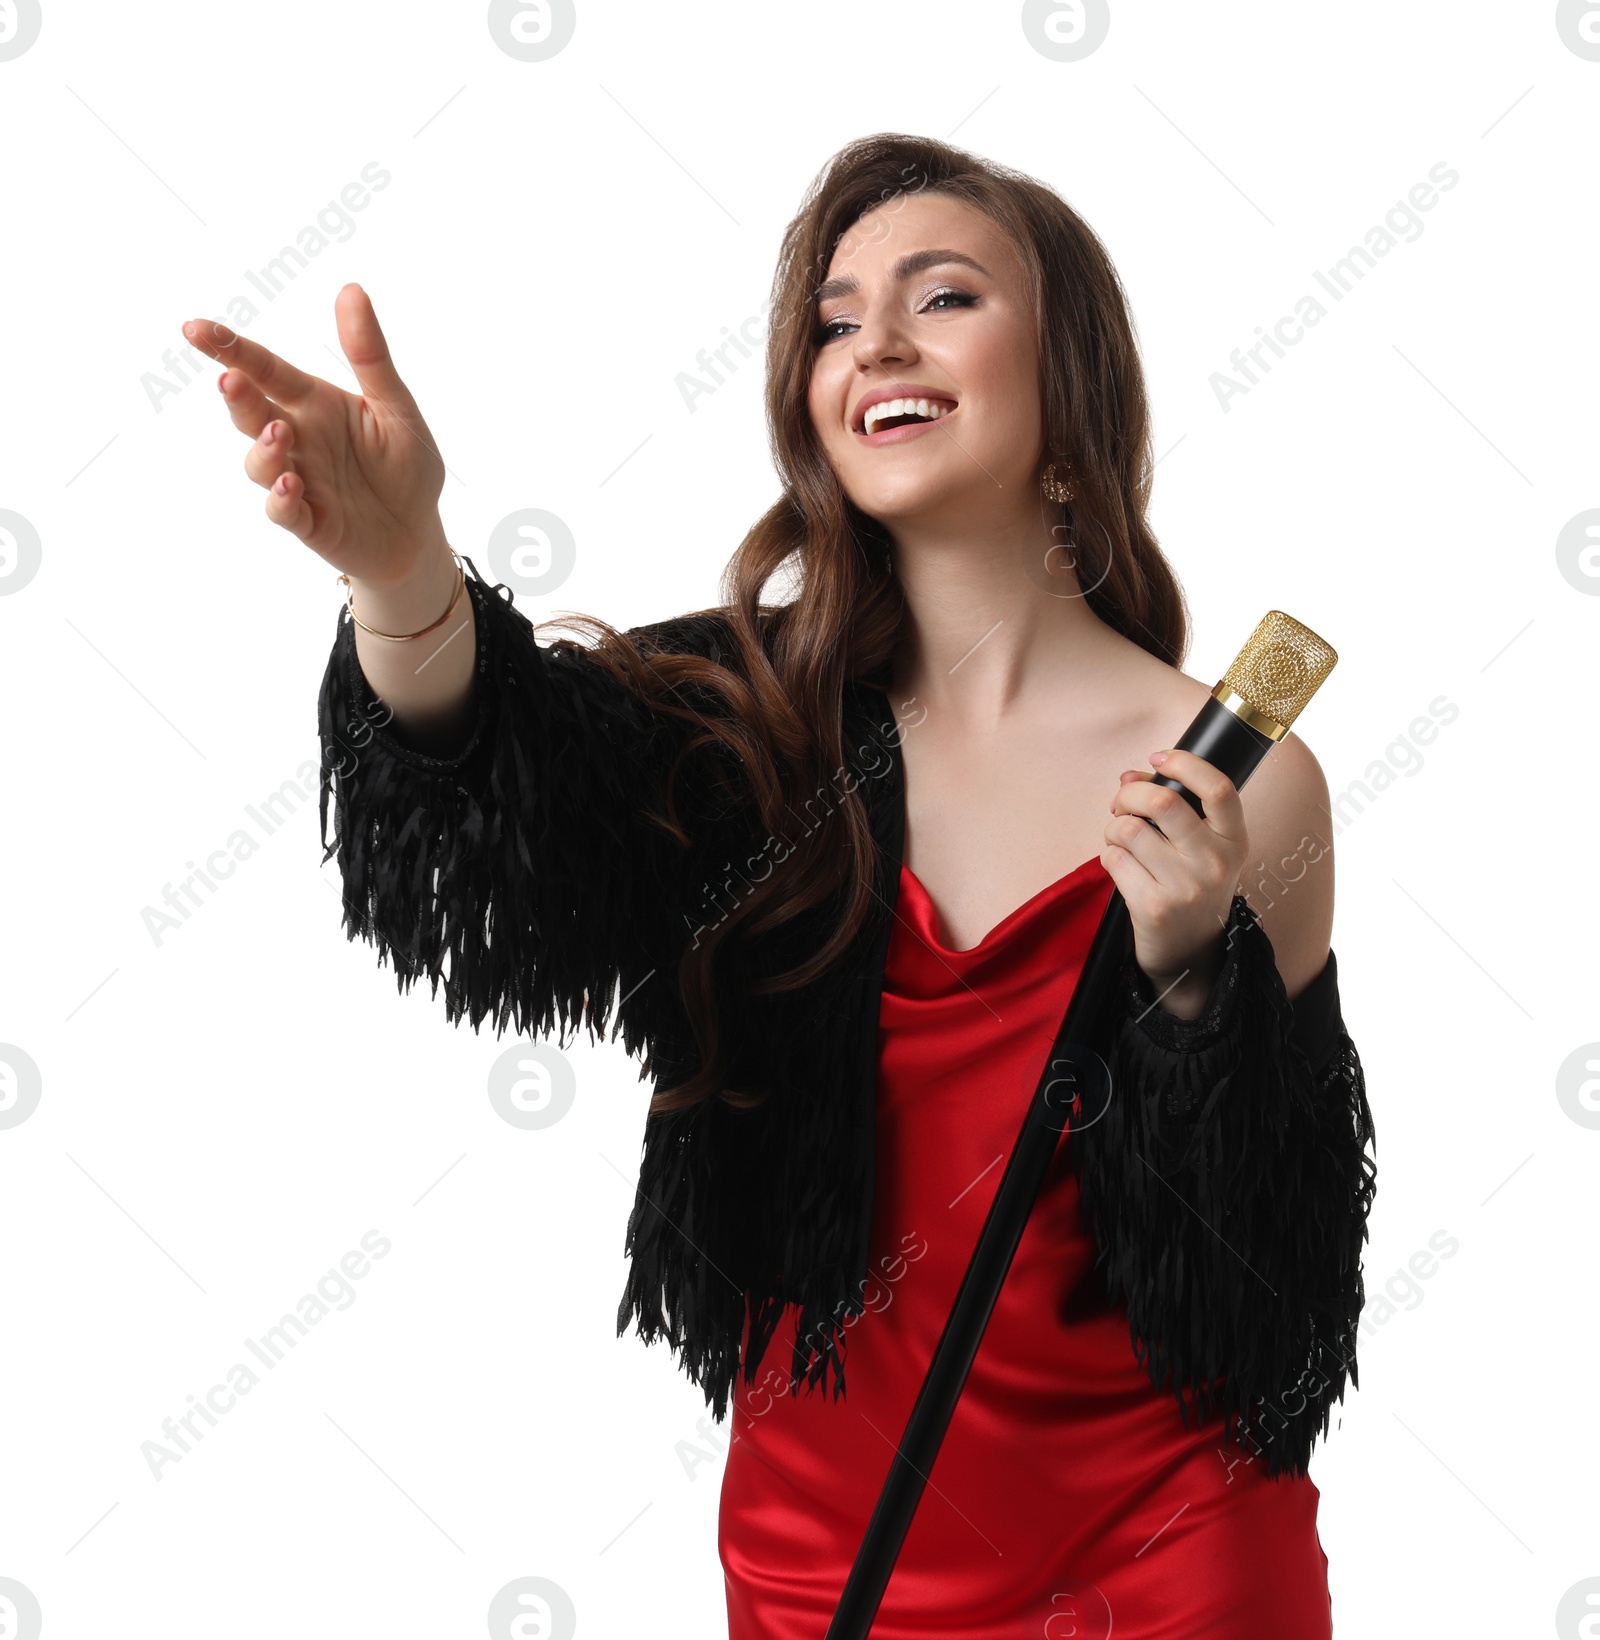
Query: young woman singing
x=830, y=865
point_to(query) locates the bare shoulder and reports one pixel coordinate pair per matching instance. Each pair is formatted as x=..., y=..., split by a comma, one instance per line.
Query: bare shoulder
x=1288, y=872
x=1288, y=875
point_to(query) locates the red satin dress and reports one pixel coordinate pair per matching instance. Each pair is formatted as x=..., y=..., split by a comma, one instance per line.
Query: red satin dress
x=1068, y=1498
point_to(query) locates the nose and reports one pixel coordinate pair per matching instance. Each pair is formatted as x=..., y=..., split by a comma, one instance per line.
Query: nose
x=882, y=342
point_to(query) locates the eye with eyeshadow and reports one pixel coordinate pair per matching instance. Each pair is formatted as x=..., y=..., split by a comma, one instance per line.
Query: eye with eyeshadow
x=826, y=331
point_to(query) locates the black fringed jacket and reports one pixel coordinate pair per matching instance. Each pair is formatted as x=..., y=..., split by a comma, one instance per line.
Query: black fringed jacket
x=1227, y=1185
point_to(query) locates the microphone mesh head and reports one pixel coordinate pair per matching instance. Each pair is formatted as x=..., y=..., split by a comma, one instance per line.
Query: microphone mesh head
x=1281, y=667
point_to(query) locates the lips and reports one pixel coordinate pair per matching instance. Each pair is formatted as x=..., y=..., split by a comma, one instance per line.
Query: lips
x=902, y=432
x=935, y=397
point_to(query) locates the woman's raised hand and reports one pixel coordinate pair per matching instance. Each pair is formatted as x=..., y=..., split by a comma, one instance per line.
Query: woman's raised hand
x=357, y=477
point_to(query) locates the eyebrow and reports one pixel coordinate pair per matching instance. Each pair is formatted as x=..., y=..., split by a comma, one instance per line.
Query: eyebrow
x=913, y=262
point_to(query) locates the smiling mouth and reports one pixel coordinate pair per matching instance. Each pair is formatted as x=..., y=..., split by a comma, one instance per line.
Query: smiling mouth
x=892, y=415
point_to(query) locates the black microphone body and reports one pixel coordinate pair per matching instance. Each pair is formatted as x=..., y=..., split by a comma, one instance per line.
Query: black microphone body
x=1226, y=742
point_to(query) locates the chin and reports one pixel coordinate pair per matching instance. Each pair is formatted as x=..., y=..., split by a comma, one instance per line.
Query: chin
x=906, y=499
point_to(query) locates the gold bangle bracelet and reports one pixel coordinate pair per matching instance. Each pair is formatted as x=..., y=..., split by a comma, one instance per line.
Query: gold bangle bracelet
x=406, y=637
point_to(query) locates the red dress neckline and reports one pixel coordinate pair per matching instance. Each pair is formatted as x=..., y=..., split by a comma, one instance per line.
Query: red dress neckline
x=926, y=914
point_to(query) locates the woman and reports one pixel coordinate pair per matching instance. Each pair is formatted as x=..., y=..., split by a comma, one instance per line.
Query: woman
x=832, y=866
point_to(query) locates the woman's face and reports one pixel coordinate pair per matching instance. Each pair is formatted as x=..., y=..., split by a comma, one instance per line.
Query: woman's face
x=925, y=299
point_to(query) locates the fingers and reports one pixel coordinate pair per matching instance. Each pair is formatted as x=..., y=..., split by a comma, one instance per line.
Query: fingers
x=267, y=464
x=253, y=372
x=286, y=505
x=364, y=346
x=1139, y=795
x=1156, y=828
x=270, y=373
x=1217, y=793
x=1129, y=839
x=249, y=407
x=268, y=458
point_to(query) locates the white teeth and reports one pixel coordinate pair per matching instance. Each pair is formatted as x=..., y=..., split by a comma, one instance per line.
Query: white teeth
x=929, y=410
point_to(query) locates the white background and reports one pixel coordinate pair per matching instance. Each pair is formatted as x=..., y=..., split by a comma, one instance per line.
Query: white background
x=225, y=1113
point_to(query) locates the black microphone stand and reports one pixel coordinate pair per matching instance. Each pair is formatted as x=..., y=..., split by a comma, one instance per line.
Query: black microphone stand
x=1058, y=1102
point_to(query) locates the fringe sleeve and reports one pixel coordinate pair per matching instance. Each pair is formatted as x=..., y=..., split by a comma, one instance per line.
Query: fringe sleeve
x=1228, y=1187
x=520, y=872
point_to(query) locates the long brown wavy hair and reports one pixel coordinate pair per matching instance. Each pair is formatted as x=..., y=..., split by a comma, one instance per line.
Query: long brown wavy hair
x=779, y=705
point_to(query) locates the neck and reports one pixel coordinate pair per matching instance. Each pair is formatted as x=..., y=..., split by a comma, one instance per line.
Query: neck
x=995, y=615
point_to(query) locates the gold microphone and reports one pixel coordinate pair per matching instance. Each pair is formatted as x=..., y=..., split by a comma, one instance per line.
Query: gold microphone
x=1281, y=666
